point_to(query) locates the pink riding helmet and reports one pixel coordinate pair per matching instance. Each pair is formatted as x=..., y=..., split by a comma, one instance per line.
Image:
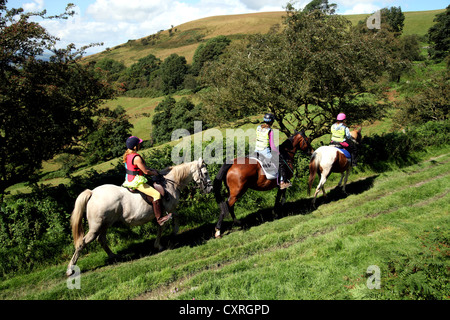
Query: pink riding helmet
x=341, y=116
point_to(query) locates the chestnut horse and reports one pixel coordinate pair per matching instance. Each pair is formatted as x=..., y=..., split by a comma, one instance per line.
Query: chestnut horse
x=243, y=174
x=328, y=159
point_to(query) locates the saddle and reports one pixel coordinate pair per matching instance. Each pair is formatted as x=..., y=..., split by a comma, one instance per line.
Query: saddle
x=268, y=165
x=148, y=198
x=341, y=149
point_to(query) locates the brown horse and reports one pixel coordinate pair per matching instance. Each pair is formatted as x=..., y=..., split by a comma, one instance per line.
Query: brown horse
x=243, y=174
x=328, y=159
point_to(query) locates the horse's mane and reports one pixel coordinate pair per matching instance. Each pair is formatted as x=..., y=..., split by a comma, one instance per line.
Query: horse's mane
x=178, y=172
x=288, y=143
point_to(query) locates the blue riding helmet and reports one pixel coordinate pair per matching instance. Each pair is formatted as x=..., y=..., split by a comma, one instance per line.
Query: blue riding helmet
x=269, y=117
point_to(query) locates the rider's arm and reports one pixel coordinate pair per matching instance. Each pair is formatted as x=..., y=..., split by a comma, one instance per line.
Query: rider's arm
x=141, y=165
x=271, y=143
x=347, y=134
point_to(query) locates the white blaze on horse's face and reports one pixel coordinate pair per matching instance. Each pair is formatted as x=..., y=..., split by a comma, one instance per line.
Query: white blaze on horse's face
x=201, y=176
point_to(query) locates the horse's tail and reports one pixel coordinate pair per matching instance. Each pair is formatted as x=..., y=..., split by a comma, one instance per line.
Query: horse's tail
x=313, y=167
x=76, y=220
x=221, y=177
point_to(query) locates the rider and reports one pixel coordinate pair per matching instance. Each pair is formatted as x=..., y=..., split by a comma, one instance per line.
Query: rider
x=265, y=146
x=340, y=134
x=134, y=179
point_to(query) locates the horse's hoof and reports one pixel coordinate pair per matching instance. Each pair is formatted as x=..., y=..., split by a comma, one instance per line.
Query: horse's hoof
x=69, y=272
x=217, y=235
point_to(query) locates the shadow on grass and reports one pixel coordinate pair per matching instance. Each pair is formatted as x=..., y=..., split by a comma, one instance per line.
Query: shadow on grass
x=201, y=234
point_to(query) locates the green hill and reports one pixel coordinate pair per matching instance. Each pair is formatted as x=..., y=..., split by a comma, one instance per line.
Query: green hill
x=185, y=38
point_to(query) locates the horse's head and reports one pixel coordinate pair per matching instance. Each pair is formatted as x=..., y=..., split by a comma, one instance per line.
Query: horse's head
x=201, y=176
x=356, y=135
x=302, y=142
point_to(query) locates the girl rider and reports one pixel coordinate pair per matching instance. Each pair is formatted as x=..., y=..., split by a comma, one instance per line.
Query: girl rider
x=135, y=169
x=340, y=134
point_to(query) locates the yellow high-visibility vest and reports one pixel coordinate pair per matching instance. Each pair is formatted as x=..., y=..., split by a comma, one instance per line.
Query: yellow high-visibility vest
x=262, y=138
x=338, y=132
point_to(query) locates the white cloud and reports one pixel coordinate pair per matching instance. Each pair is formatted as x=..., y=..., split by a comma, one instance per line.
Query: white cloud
x=116, y=21
x=362, y=8
x=36, y=5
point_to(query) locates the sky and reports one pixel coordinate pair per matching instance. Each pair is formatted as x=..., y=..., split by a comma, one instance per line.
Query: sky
x=114, y=22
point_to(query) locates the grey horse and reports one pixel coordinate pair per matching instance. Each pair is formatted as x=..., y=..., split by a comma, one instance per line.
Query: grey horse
x=108, y=203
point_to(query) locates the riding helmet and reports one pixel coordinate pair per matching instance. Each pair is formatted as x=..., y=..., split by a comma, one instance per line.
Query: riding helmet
x=133, y=142
x=341, y=116
x=269, y=117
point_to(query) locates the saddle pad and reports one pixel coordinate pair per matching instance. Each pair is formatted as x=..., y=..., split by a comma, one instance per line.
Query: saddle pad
x=269, y=168
x=345, y=152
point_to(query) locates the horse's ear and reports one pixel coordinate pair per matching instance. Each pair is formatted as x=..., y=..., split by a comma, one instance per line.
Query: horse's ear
x=200, y=162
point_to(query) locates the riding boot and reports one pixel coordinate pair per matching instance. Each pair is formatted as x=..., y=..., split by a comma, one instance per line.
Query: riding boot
x=284, y=182
x=157, y=209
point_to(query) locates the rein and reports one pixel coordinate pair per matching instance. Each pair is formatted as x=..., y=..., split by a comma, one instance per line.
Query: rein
x=180, y=185
x=304, y=144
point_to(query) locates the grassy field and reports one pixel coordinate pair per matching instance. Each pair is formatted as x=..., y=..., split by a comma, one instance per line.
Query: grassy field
x=185, y=38
x=397, y=220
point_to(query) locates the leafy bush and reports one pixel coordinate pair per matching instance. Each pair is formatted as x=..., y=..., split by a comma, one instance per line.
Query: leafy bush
x=31, y=231
x=379, y=151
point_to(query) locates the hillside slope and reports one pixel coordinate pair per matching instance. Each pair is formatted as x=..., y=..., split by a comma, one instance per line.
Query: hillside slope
x=185, y=38
x=397, y=221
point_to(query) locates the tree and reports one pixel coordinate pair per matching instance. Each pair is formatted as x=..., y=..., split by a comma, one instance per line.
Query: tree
x=439, y=36
x=141, y=73
x=107, y=141
x=429, y=102
x=394, y=18
x=171, y=115
x=208, y=51
x=45, y=106
x=172, y=72
x=321, y=5
x=305, y=74
x=112, y=67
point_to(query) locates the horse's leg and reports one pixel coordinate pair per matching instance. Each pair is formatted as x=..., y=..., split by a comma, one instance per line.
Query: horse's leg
x=280, y=196
x=224, y=210
x=102, y=240
x=157, y=245
x=89, y=237
x=234, y=196
x=236, y=221
x=228, y=207
x=321, y=186
x=340, y=181
x=176, y=223
x=345, y=180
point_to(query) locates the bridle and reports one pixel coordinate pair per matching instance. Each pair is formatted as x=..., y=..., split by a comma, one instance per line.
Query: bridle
x=204, y=182
x=303, y=145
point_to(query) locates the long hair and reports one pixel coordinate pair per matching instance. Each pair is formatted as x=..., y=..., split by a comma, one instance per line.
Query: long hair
x=129, y=151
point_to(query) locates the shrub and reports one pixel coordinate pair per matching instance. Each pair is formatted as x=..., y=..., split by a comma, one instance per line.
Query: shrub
x=379, y=151
x=32, y=231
